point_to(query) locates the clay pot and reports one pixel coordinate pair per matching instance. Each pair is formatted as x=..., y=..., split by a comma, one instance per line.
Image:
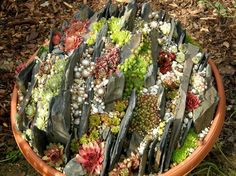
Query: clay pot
x=181, y=169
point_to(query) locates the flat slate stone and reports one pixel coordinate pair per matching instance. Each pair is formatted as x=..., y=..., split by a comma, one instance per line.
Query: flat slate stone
x=204, y=114
x=124, y=125
x=115, y=88
x=73, y=168
x=183, y=89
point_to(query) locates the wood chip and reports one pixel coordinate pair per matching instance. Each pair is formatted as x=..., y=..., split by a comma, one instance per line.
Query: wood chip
x=226, y=44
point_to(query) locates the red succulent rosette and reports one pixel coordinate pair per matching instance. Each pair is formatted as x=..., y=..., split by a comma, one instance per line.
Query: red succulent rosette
x=77, y=28
x=192, y=101
x=107, y=64
x=72, y=42
x=54, y=155
x=91, y=157
x=165, y=60
x=74, y=34
x=56, y=38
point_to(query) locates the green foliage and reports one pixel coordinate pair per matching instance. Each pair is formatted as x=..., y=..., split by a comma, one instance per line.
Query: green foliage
x=30, y=110
x=135, y=67
x=117, y=35
x=219, y=7
x=42, y=49
x=42, y=95
x=96, y=27
x=94, y=120
x=115, y=24
x=120, y=105
x=189, y=39
x=13, y=155
x=145, y=115
x=180, y=154
x=74, y=145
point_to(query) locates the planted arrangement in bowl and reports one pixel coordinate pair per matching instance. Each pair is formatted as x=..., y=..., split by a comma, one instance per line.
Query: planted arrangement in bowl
x=116, y=92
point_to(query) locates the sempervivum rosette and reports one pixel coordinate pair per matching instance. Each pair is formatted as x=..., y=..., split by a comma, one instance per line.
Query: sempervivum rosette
x=117, y=92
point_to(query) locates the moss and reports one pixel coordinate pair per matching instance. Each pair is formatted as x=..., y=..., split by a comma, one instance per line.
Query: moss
x=84, y=139
x=74, y=145
x=96, y=27
x=180, y=154
x=42, y=95
x=117, y=35
x=94, y=120
x=121, y=105
x=189, y=39
x=145, y=115
x=42, y=49
x=30, y=110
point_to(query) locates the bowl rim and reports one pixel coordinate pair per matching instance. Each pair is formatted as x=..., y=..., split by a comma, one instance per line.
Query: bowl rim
x=181, y=169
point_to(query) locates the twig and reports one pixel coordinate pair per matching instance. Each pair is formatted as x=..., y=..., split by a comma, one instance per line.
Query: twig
x=8, y=159
x=67, y=4
x=208, y=18
x=23, y=21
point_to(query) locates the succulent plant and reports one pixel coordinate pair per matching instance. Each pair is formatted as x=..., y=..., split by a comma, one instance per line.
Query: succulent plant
x=165, y=60
x=53, y=155
x=45, y=90
x=127, y=166
x=90, y=156
x=182, y=153
x=120, y=105
x=96, y=27
x=94, y=120
x=74, y=32
x=107, y=63
x=118, y=35
x=56, y=38
x=192, y=101
x=145, y=115
x=30, y=110
x=135, y=67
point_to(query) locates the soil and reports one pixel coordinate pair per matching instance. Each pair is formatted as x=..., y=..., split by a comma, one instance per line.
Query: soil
x=25, y=25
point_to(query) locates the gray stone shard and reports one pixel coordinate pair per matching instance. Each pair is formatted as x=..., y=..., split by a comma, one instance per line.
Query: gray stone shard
x=145, y=11
x=73, y=168
x=116, y=151
x=144, y=157
x=151, y=75
x=161, y=101
x=127, y=49
x=177, y=126
x=115, y=88
x=107, y=154
x=203, y=115
x=84, y=120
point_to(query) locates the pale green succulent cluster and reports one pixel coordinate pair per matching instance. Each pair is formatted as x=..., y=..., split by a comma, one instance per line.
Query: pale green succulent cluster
x=180, y=154
x=117, y=34
x=135, y=67
x=43, y=94
x=96, y=27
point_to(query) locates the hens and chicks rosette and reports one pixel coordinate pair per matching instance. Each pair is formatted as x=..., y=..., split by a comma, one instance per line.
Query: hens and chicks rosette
x=117, y=92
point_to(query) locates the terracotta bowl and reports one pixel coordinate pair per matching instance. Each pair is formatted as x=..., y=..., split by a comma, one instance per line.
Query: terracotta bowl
x=181, y=169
